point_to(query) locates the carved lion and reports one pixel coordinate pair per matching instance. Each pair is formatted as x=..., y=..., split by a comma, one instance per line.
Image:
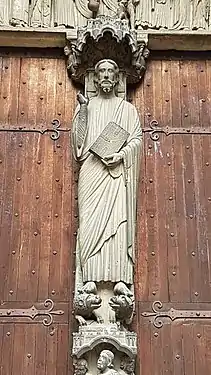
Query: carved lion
x=86, y=301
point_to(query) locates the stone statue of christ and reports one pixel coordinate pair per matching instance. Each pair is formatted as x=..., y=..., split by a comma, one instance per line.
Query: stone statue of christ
x=107, y=188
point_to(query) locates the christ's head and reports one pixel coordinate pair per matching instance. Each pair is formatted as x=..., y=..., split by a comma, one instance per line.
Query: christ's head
x=106, y=75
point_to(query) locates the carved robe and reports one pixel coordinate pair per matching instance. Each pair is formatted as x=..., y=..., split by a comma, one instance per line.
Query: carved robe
x=19, y=12
x=200, y=14
x=161, y=14
x=65, y=13
x=107, y=196
x=181, y=14
x=40, y=13
x=144, y=14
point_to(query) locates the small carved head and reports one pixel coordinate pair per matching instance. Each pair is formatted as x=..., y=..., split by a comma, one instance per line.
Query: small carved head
x=106, y=75
x=105, y=360
x=81, y=367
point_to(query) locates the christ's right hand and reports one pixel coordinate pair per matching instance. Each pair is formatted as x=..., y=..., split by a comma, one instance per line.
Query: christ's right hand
x=82, y=99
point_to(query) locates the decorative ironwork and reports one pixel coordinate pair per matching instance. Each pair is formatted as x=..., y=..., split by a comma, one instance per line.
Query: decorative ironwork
x=33, y=312
x=157, y=314
x=55, y=130
x=155, y=131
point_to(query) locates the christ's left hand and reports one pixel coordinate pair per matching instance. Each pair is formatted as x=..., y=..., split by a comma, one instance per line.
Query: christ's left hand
x=112, y=160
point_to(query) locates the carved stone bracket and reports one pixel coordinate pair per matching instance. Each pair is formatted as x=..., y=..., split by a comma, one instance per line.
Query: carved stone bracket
x=108, y=35
x=154, y=130
x=89, y=337
x=32, y=312
x=158, y=315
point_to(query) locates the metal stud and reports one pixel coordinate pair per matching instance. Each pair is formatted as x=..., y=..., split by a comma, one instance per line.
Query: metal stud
x=165, y=70
x=187, y=147
x=186, y=115
x=35, y=233
x=198, y=335
x=170, y=198
x=172, y=234
x=153, y=253
x=29, y=355
x=152, y=216
x=41, y=97
x=6, y=67
x=177, y=356
x=52, y=333
x=53, y=292
x=54, y=252
x=209, y=198
x=4, y=96
x=22, y=112
x=191, y=216
x=0, y=161
x=38, y=161
x=16, y=214
x=207, y=164
x=203, y=100
x=37, y=196
x=196, y=294
x=150, y=180
x=8, y=333
x=150, y=146
x=18, y=178
x=60, y=83
x=59, y=113
x=13, y=252
x=149, y=114
x=33, y=272
x=57, y=179
x=56, y=215
x=11, y=291
x=169, y=163
x=156, y=334
x=24, y=82
x=189, y=180
x=193, y=253
x=167, y=100
x=174, y=273
x=184, y=84
x=20, y=145
x=154, y=293
x=58, y=146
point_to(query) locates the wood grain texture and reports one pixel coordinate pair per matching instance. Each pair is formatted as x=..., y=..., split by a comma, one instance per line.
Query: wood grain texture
x=37, y=201
x=174, y=215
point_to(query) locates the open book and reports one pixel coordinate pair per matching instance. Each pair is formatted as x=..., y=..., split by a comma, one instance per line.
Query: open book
x=110, y=141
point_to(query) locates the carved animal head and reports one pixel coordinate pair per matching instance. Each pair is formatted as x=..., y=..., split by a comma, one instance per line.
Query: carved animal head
x=122, y=305
x=85, y=303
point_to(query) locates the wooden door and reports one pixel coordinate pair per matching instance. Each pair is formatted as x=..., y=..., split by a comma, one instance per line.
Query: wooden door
x=174, y=217
x=37, y=204
x=39, y=214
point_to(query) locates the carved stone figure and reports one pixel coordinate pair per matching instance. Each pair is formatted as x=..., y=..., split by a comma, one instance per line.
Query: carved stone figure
x=107, y=187
x=122, y=303
x=144, y=14
x=181, y=15
x=105, y=363
x=86, y=301
x=19, y=13
x=81, y=367
x=126, y=8
x=40, y=14
x=127, y=366
x=200, y=14
x=65, y=13
x=4, y=12
x=161, y=15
